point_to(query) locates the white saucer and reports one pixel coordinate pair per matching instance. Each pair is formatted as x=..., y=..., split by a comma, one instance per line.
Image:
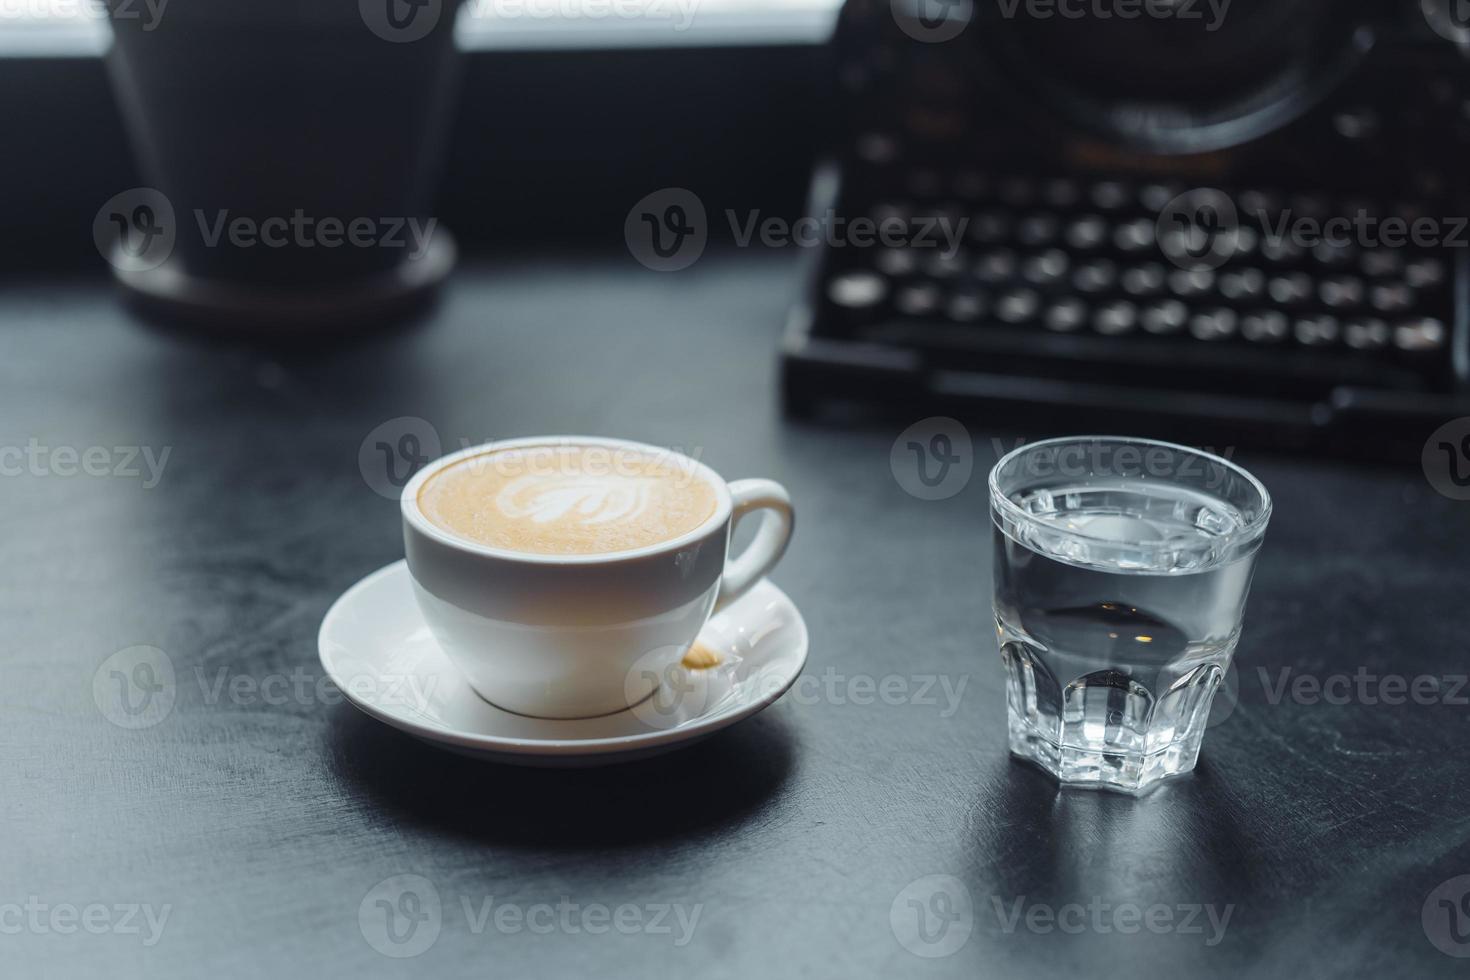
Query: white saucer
x=377, y=649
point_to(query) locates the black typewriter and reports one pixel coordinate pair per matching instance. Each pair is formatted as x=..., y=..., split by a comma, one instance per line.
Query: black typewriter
x=1256, y=229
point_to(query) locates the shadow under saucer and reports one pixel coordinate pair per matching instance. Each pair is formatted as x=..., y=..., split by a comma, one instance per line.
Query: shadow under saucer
x=716, y=783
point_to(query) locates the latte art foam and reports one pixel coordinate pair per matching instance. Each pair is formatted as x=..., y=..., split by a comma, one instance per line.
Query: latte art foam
x=580, y=499
x=568, y=500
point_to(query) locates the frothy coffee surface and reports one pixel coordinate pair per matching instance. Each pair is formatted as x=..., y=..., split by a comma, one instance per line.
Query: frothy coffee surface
x=568, y=500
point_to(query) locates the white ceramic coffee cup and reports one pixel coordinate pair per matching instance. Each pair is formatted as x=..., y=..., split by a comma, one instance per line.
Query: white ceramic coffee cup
x=559, y=636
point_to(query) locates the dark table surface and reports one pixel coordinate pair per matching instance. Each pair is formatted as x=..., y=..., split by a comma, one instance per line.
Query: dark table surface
x=1320, y=829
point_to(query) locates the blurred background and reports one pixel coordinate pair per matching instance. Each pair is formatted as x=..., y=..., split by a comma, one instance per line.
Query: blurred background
x=562, y=119
x=1236, y=220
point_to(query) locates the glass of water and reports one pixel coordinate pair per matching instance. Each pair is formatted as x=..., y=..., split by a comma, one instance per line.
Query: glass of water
x=1121, y=573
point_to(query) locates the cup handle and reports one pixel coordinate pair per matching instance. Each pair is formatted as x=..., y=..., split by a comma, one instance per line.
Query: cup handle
x=747, y=568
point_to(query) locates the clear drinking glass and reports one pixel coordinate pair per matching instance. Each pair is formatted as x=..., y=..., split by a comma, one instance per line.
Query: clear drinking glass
x=1121, y=573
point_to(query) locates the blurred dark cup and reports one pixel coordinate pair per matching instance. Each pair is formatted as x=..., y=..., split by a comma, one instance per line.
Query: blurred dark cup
x=296, y=144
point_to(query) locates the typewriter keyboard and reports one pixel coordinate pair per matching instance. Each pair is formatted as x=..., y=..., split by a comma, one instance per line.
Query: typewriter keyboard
x=1070, y=257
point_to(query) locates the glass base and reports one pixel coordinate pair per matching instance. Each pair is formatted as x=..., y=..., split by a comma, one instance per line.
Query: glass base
x=1105, y=729
x=1094, y=769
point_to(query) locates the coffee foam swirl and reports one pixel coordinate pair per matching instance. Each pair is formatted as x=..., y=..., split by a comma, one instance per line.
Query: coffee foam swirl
x=576, y=499
x=568, y=499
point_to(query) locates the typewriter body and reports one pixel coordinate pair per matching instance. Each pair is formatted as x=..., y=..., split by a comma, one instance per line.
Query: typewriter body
x=1251, y=233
